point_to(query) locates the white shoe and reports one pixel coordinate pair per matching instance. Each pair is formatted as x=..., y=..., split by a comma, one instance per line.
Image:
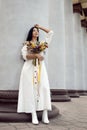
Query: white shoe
x=45, y=117
x=34, y=118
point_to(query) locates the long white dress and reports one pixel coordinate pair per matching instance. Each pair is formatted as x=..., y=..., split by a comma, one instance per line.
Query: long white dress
x=27, y=96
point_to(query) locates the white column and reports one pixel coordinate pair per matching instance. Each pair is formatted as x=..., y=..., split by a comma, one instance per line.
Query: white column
x=16, y=18
x=69, y=46
x=56, y=60
x=77, y=51
x=85, y=51
x=83, y=58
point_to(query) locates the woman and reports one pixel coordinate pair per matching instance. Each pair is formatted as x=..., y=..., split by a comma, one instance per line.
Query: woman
x=31, y=97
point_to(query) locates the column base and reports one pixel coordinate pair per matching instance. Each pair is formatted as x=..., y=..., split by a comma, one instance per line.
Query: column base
x=8, y=113
x=8, y=108
x=59, y=95
x=73, y=93
x=82, y=92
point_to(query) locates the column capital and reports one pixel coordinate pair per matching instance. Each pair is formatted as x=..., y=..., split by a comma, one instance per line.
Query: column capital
x=84, y=23
x=77, y=8
x=85, y=11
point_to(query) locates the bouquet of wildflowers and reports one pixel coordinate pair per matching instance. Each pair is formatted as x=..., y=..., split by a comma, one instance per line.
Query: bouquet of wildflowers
x=36, y=48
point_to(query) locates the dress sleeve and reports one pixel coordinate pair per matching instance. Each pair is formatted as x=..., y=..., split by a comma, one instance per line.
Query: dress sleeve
x=49, y=36
x=24, y=52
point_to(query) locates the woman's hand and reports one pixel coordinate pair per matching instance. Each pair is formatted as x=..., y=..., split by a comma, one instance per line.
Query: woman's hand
x=37, y=26
x=42, y=28
x=39, y=57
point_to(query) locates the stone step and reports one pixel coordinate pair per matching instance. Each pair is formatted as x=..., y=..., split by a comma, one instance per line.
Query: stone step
x=8, y=108
x=60, y=98
x=8, y=113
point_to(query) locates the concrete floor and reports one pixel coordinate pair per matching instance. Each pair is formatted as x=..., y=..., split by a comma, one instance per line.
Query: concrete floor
x=73, y=116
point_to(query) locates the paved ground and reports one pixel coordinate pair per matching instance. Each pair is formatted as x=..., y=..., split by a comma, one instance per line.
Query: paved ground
x=73, y=116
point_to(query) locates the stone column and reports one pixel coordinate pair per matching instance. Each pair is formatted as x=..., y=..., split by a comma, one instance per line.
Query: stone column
x=16, y=18
x=56, y=60
x=77, y=51
x=69, y=50
x=82, y=91
x=85, y=58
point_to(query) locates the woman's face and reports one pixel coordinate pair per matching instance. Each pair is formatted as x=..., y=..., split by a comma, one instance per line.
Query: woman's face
x=35, y=32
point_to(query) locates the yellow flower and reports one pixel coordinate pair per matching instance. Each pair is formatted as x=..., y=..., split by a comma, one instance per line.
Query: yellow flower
x=33, y=45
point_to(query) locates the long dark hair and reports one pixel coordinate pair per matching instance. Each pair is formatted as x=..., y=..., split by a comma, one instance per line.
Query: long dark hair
x=29, y=37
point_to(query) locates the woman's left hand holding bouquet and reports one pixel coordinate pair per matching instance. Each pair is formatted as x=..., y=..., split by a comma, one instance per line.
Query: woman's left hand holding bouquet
x=39, y=57
x=34, y=56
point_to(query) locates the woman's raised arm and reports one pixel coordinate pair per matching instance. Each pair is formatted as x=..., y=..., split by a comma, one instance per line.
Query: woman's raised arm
x=48, y=31
x=42, y=28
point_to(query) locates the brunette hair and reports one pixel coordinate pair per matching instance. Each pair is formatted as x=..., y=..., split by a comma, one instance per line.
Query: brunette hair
x=29, y=37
